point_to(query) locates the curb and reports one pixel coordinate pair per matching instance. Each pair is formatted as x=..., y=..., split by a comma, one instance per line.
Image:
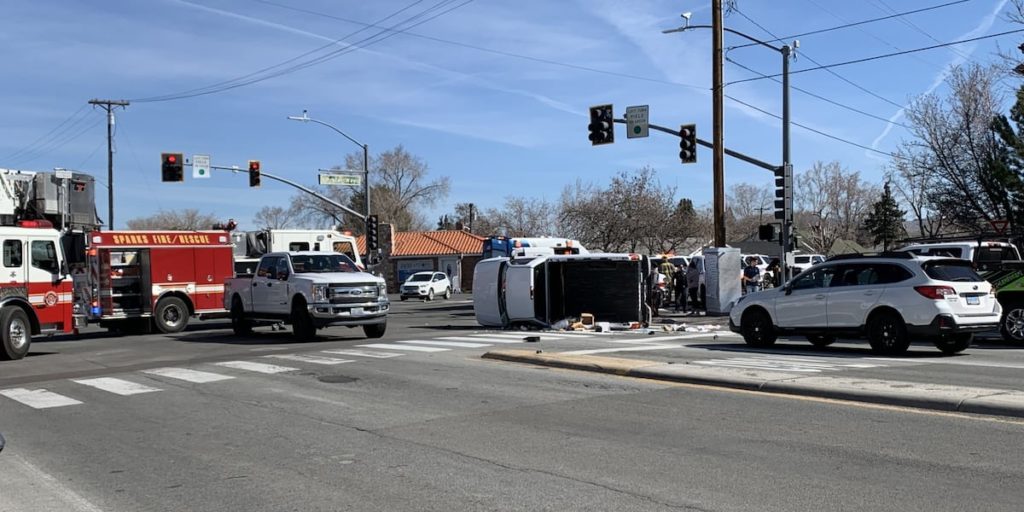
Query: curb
x=937, y=397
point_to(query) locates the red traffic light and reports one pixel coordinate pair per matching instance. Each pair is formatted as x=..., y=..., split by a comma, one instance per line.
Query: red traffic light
x=254, y=165
x=171, y=159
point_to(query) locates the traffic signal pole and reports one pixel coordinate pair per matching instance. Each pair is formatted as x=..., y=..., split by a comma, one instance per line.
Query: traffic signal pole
x=109, y=105
x=286, y=181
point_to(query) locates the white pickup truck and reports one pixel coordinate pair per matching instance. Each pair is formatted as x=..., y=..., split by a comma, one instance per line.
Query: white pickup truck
x=543, y=290
x=310, y=290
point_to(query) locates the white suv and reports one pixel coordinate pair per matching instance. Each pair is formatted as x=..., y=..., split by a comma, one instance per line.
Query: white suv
x=427, y=285
x=890, y=298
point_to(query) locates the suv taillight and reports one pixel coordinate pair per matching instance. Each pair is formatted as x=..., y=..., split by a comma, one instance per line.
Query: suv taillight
x=935, y=292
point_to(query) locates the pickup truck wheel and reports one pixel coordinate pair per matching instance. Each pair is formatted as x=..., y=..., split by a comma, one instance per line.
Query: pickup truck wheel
x=430, y=294
x=951, y=344
x=239, y=323
x=1012, y=325
x=888, y=334
x=375, y=330
x=302, y=324
x=16, y=335
x=821, y=340
x=757, y=328
x=171, y=315
x=447, y=293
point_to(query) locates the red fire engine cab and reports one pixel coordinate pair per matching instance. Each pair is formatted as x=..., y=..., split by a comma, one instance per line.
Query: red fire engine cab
x=134, y=280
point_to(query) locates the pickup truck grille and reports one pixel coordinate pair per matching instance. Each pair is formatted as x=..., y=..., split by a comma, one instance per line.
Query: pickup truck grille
x=352, y=293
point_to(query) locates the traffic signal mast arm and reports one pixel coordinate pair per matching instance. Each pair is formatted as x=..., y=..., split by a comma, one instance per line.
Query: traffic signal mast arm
x=735, y=154
x=286, y=181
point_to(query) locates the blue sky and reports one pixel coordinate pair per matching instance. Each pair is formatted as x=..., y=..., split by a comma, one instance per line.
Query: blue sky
x=498, y=125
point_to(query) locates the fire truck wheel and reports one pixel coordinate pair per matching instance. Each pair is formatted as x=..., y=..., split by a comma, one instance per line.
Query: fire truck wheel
x=17, y=333
x=171, y=315
x=375, y=330
x=302, y=324
x=239, y=323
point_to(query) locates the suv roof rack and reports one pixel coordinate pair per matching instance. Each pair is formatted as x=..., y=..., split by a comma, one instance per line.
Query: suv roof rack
x=901, y=255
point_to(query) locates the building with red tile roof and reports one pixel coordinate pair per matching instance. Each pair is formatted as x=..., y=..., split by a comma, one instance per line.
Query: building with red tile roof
x=453, y=252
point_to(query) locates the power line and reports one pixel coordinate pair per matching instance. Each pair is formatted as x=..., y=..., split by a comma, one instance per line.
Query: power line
x=570, y=66
x=833, y=73
x=814, y=130
x=858, y=23
x=916, y=27
x=39, y=141
x=822, y=98
x=884, y=56
x=370, y=40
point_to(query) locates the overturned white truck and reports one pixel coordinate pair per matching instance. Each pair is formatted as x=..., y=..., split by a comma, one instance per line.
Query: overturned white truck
x=544, y=290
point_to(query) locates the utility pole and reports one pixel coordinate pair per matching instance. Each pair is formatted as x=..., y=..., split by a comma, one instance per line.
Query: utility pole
x=109, y=105
x=718, y=121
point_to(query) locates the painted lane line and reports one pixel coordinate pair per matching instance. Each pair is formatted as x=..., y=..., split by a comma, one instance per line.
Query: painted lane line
x=613, y=350
x=413, y=348
x=187, y=375
x=956, y=361
x=311, y=359
x=116, y=386
x=458, y=344
x=363, y=353
x=488, y=340
x=256, y=367
x=38, y=398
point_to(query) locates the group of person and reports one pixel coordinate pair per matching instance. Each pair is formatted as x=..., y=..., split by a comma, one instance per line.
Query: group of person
x=751, y=277
x=683, y=285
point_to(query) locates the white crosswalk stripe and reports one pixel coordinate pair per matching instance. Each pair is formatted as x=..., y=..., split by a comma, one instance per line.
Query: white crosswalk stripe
x=363, y=353
x=413, y=348
x=788, y=363
x=311, y=359
x=116, y=386
x=196, y=376
x=457, y=344
x=38, y=398
x=481, y=339
x=256, y=367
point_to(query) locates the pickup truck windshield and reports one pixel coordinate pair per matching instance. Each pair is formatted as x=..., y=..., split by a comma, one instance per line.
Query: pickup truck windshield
x=321, y=263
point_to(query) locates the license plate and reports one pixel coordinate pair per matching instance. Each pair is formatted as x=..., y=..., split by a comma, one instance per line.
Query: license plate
x=357, y=311
x=973, y=301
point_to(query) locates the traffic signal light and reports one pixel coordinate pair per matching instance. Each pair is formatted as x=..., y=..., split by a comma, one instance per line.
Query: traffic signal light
x=784, y=194
x=173, y=167
x=602, y=125
x=254, y=173
x=766, y=232
x=688, y=143
x=372, y=240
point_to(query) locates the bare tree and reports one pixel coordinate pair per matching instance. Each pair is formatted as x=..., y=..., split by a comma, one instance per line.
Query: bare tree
x=400, y=189
x=831, y=204
x=273, y=217
x=745, y=209
x=955, y=150
x=522, y=217
x=911, y=188
x=188, y=219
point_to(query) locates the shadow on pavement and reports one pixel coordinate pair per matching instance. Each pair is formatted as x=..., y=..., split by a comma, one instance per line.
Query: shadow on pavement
x=926, y=350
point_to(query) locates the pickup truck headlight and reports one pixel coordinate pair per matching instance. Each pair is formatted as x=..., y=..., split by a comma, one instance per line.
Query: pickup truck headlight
x=319, y=293
x=382, y=290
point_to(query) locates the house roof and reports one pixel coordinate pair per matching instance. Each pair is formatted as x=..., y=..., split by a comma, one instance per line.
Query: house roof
x=431, y=243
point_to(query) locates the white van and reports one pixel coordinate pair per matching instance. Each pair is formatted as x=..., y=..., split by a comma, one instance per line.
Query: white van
x=983, y=253
x=543, y=290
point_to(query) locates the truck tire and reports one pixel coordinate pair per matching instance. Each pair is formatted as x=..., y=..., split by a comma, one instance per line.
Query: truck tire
x=302, y=325
x=171, y=315
x=16, y=335
x=375, y=330
x=239, y=323
x=1012, y=324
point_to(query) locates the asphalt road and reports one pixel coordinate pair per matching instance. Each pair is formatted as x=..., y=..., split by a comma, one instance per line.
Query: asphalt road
x=417, y=421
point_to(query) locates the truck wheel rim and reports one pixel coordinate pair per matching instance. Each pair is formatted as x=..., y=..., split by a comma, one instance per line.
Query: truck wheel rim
x=17, y=334
x=1015, y=323
x=172, y=315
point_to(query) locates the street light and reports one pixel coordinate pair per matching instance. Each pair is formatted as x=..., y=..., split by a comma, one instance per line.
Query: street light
x=719, y=197
x=366, y=156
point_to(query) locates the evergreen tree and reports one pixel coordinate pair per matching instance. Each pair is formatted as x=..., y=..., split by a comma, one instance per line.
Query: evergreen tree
x=885, y=220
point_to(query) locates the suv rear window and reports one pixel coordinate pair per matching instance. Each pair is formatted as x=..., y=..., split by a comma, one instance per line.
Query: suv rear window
x=949, y=270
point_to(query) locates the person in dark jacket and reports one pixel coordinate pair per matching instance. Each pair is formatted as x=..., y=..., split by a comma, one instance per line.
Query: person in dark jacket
x=679, y=286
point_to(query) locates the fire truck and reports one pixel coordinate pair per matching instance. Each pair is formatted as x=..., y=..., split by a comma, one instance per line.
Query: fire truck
x=134, y=281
